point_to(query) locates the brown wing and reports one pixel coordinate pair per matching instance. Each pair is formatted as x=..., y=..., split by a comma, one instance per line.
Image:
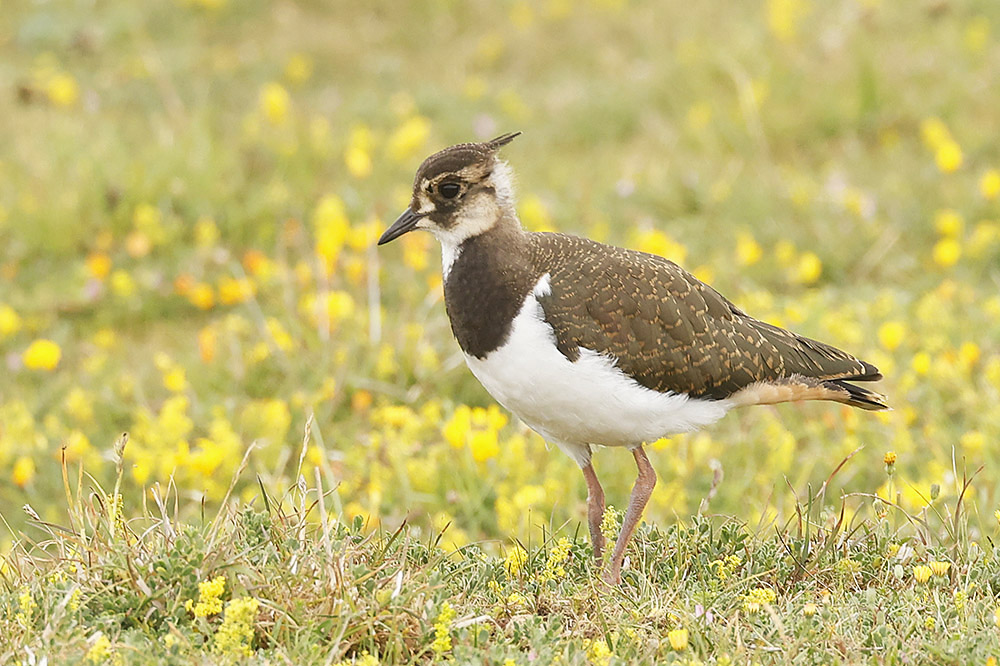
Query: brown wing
x=665, y=328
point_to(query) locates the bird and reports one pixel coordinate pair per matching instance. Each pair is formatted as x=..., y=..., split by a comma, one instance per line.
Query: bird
x=594, y=345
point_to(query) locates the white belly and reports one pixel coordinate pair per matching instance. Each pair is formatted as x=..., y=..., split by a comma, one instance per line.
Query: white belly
x=583, y=402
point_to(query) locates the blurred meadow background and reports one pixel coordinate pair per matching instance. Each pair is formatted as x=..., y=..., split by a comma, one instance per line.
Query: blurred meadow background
x=190, y=192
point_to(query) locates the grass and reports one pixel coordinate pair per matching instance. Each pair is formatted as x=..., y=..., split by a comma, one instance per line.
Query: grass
x=709, y=589
x=189, y=197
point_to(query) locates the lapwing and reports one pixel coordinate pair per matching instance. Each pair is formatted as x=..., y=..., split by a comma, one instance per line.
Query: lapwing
x=590, y=344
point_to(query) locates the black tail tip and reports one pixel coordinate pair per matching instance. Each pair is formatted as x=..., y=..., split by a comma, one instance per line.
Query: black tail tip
x=861, y=398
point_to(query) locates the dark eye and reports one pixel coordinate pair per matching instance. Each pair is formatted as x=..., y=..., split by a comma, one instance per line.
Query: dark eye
x=449, y=190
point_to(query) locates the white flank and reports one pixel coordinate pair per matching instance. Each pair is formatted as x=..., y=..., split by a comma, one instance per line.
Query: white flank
x=589, y=401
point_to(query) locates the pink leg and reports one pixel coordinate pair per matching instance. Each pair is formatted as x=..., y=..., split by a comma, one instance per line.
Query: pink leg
x=637, y=502
x=595, y=510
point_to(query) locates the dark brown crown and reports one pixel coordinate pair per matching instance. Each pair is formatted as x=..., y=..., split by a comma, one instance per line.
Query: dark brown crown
x=455, y=158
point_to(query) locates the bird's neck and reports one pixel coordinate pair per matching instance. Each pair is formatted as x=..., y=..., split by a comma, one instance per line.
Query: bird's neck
x=499, y=226
x=485, y=285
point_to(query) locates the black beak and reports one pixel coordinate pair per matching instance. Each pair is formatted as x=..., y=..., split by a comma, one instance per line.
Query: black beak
x=404, y=223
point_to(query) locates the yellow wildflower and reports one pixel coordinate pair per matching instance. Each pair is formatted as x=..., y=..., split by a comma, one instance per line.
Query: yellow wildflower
x=361, y=401
x=409, y=138
x=23, y=471
x=889, y=458
x=554, y=563
x=42, y=355
x=784, y=252
x=385, y=361
x=934, y=132
x=985, y=234
x=948, y=156
x=704, y=273
x=947, y=252
x=209, y=598
x=610, y=523
x=784, y=16
x=122, y=284
x=105, y=338
x=457, y=429
x=26, y=607
x=514, y=563
x=534, y=213
x=922, y=573
x=76, y=446
x=657, y=242
x=363, y=659
x=810, y=609
x=809, y=268
x=598, y=652
x=949, y=223
x=357, y=155
x=100, y=650
x=257, y=264
x=940, y=568
x=489, y=48
x=969, y=353
x=726, y=567
x=266, y=420
x=976, y=38
x=748, y=250
x=207, y=338
x=235, y=290
x=678, y=639
x=148, y=221
x=989, y=184
x=973, y=441
x=921, y=363
x=442, y=629
x=331, y=226
x=358, y=161
x=235, y=635
x=757, y=598
x=10, y=321
x=206, y=232
x=274, y=103
x=484, y=444
x=79, y=405
x=891, y=334
x=494, y=587
x=339, y=305
x=202, y=296
x=98, y=265
x=848, y=566
x=521, y=15
x=62, y=90
x=515, y=599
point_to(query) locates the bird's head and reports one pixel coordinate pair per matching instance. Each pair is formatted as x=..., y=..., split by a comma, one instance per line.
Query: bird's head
x=458, y=193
